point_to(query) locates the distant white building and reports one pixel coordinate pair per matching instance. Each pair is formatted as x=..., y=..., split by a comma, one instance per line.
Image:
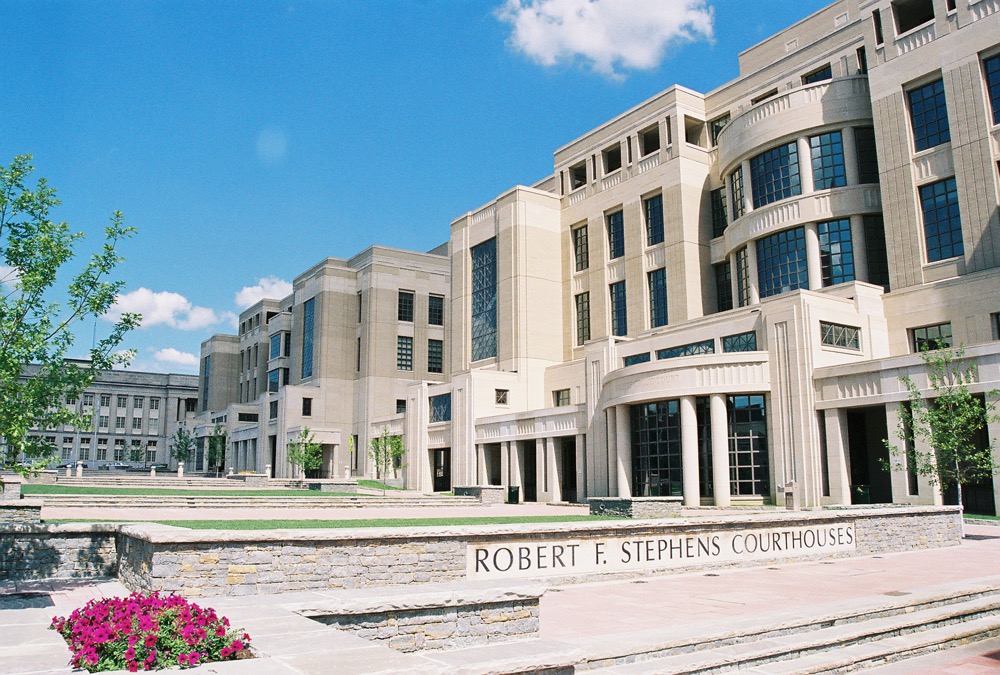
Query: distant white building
x=711, y=296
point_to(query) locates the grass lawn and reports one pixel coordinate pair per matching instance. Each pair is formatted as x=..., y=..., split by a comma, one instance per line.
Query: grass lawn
x=43, y=489
x=375, y=485
x=977, y=516
x=375, y=522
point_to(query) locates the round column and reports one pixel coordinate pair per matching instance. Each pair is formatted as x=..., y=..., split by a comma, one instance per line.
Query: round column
x=850, y=156
x=623, y=450
x=805, y=166
x=720, y=450
x=689, y=452
x=813, y=262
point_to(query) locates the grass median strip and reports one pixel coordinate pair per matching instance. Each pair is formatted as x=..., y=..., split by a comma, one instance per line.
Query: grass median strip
x=39, y=489
x=373, y=522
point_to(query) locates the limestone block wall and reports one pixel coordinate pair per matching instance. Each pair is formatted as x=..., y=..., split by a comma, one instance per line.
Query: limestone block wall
x=70, y=551
x=22, y=512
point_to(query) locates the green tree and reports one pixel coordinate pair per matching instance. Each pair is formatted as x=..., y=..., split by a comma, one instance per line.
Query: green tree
x=949, y=419
x=216, y=454
x=182, y=445
x=38, y=317
x=387, y=451
x=305, y=453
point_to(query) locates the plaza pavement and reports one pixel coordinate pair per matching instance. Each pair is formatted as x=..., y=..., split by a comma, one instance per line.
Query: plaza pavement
x=582, y=614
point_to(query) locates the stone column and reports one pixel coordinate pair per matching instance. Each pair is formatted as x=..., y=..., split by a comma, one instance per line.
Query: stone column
x=753, y=278
x=838, y=458
x=858, y=247
x=542, y=468
x=481, y=476
x=805, y=166
x=993, y=429
x=850, y=156
x=814, y=263
x=720, y=449
x=930, y=493
x=689, y=452
x=623, y=450
x=555, y=469
x=505, y=464
x=747, y=187
x=180, y=469
x=611, y=427
x=581, y=468
x=899, y=477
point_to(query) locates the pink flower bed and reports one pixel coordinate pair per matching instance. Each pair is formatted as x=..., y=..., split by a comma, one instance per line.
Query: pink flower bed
x=147, y=632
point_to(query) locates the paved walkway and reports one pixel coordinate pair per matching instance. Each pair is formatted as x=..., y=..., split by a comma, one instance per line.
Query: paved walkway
x=583, y=614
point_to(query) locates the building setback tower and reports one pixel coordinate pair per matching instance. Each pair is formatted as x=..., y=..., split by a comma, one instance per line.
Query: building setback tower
x=712, y=295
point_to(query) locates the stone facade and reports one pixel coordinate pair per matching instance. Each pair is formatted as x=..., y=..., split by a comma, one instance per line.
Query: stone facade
x=488, y=495
x=68, y=551
x=21, y=512
x=10, y=488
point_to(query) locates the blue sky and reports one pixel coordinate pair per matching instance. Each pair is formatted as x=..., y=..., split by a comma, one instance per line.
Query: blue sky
x=247, y=141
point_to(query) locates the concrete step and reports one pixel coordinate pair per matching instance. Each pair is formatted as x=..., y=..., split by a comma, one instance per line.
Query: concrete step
x=825, y=644
x=211, y=501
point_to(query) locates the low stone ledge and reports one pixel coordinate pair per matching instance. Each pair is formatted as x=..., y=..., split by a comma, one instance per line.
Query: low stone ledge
x=451, y=618
x=636, y=507
x=10, y=488
x=488, y=495
x=254, y=480
x=333, y=485
x=35, y=552
x=21, y=512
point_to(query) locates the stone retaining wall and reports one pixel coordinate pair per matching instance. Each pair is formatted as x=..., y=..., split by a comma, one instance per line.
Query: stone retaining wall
x=69, y=551
x=10, y=488
x=636, y=507
x=488, y=495
x=438, y=620
x=22, y=512
x=206, y=562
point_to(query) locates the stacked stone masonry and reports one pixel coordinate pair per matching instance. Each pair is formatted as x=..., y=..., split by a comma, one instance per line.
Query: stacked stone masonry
x=71, y=551
x=444, y=627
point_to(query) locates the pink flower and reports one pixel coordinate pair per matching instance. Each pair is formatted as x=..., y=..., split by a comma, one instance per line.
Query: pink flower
x=236, y=646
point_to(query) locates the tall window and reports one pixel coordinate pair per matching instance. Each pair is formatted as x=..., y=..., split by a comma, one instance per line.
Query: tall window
x=308, y=310
x=616, y=235
x=656, y=449
x=836, y=252
x=718, y=212
x=404, y=306
x=748, y=461
x=582, y=318
x=715, y=128
x=742, y=277
x=864, y=144
x=942, y=225
x=875, y=250
x=991, y=68
x=736, y=182
x=653, y=210
x=207, y=368
x=723, y=287
x=435, y=310
x=581, y=248
x=440, y=408
x=828, y=161
x=484, y=300
x=619, y=315
x=781, y=262
x=275, y=350
x=657, y=297
x=435, y=356
x=273, y=382
x=404, y=352
x=929, y=115
x=774, y=174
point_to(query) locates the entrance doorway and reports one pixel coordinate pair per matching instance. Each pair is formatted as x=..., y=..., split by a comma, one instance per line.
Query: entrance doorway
x=976, y=497
x=272, y=442
x=529, y=467
x=866, y=433
x=491, y=454
x=567, y=472
x=441, y=465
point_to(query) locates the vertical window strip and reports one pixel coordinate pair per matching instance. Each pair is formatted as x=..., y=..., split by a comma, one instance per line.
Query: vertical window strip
x=929, y=115
x=736, y=183
x=308, y=310
x=619, y=312
x=582, y=318
x=484, y=300
x=723, y=287
x=781, y=262
x=742, y=277
x=616, y=235
x=864, y=145
x=991, y=68
x=836, y=252
x=719, y=216
x=404, y=352
x=657, y=297
x=581, y=248
x=653, y=208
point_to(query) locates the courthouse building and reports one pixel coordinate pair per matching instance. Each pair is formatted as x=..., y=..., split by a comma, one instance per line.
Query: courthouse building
x=711, y=296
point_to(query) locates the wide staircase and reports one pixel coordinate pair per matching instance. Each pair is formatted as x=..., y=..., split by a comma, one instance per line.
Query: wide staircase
x=365, y=498
x=831, y=640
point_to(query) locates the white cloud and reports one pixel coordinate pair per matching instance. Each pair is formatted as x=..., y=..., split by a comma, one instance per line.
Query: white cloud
x=608, y=35
x=165, y=308
x=272, y=145
x=8, y=276
x=174, y=356
x=268, y=287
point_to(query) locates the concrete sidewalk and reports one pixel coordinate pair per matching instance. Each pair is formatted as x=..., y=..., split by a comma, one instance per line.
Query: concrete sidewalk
x=572, y=616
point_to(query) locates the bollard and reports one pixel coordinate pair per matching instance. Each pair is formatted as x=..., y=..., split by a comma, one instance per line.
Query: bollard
x=79, y=469
x=69, y=471
x=180, y=469
x=152, y=472
x=792, y=499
